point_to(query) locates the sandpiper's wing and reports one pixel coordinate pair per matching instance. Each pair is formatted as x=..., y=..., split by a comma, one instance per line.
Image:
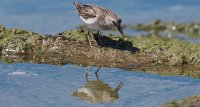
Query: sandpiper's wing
x=84, y=10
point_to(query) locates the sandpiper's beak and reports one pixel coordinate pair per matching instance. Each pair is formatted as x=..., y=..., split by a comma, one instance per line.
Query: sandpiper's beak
x=119, y=28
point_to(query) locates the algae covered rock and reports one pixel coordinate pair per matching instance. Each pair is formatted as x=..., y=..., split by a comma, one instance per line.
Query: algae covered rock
x=143, y=53
x=17, y=41
x=174, y=52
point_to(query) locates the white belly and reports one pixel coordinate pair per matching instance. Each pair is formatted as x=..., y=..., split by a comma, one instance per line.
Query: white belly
x=89, y=20
x=92, y=23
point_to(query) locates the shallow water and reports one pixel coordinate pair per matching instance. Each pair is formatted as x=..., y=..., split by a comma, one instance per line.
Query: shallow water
x=53, y=16
x=41, y=85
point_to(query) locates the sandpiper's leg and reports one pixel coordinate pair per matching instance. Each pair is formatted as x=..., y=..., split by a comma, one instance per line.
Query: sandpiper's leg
x=87, y=73
x=98, y=35
x=119, y=86
x=88, y=37
x=123, y=38
x=96, y=73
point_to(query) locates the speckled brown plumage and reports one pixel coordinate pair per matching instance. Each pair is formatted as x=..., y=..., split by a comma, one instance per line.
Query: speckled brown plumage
x=97, y=17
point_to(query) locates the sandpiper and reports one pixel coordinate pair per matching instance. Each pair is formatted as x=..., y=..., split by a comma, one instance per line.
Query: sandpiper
x=98, y=18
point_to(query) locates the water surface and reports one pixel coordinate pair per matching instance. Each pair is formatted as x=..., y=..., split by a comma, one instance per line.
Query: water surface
x=42, y=85
x=53, y=16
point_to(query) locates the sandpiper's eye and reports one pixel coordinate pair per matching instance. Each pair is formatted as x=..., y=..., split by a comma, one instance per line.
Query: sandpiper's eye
x=114, y=23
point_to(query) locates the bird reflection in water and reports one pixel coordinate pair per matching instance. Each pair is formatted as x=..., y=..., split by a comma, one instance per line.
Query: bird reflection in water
x=95, y=91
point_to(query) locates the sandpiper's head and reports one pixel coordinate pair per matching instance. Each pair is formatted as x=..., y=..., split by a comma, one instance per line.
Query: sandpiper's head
x=117, y=23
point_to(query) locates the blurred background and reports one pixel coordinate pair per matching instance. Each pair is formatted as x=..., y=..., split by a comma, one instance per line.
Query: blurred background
x=54, y=16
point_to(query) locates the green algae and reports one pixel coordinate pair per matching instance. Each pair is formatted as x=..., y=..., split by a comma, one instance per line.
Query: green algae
x=143, y=53
x=191, y=29
x=173, y=52
x=17, y=41
x=186, y=102
x=79, y=35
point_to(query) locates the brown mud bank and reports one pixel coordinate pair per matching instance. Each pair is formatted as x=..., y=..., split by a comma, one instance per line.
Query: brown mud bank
x=148, y=54
x=186, y=102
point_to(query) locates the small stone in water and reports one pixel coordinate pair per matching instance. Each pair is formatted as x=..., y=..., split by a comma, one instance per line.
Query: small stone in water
x=17, y=73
